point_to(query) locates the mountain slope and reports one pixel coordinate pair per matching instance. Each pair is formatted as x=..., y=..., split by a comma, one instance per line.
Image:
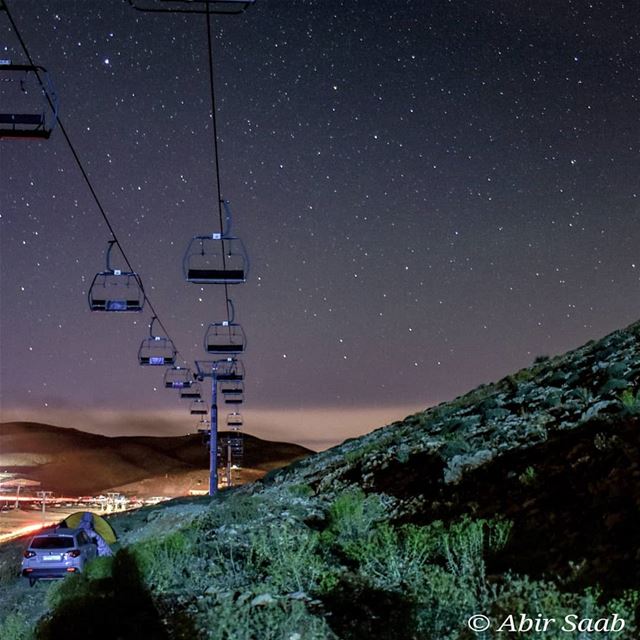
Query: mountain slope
x=555, y=448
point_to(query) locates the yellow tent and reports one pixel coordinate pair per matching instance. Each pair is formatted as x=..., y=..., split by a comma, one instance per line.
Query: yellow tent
x=100, y=525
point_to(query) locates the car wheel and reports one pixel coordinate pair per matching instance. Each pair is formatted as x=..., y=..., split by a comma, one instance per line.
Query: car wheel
x=32, y=581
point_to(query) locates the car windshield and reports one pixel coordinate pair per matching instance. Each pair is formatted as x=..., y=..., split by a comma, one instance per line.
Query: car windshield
x=53, y=542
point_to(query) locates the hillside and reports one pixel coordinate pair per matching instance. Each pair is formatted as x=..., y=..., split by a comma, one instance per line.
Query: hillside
x=554, y=448
x=71, y=462
x=519, y=498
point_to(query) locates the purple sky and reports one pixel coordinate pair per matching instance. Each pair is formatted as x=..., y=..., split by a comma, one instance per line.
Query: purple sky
x=432, y=194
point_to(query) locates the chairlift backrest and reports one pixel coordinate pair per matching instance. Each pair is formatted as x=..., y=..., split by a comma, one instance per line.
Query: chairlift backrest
x=192, y=392
x=28, y=99
x=215, y=259
x=232, y=369
x=225, y=338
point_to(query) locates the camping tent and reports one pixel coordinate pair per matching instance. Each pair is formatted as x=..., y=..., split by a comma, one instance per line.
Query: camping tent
x=100, y=525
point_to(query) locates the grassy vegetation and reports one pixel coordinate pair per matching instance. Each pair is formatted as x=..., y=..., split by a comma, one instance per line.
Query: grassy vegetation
x=284, y=564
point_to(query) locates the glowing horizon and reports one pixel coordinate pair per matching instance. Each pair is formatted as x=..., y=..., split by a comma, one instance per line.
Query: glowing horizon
x=316, y=428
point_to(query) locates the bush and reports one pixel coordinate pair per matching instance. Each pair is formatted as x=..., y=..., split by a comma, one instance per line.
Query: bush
x=231, y=509
x=16, y=627
x=226, y=567
x=630, y=403
x=71, y=588
x=394, y=558
x=353, y=516
x=286, y=556
x=263, y=617
x=521, y=595
x=165, y=562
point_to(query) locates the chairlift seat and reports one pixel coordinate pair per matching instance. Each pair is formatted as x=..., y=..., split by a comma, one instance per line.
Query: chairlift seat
x=115, y=305
x=224, y=348
x=157, y=351
x=176, y=385
x=22, y=118
x=216, y=276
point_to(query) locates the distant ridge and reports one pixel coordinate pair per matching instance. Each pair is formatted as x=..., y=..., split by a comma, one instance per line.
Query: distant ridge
x=72, y=462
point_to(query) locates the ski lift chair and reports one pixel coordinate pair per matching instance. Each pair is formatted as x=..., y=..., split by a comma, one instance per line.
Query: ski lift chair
x=178, y=378
x=232, y=392
x=234, y=420
x=225, y=338
x=199, y=408
x=156, y=350
x=116, y=291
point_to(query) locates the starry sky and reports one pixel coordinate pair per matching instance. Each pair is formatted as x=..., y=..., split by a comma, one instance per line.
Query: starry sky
x=432, y=193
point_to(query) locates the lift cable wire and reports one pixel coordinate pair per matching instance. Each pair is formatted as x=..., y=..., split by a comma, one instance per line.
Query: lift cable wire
x=83, y=172
x=216, y=153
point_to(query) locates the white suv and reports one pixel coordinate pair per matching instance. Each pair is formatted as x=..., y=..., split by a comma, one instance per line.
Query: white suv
x=57, y=554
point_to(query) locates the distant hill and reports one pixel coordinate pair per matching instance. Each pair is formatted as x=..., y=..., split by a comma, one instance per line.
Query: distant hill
x=72, y=462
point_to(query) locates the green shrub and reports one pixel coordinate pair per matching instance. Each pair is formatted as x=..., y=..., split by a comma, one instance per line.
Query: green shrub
x=395, y=558
x=528, y=477
x=287, y=557
x=232, y=509
x=16, y=627
x=301, y=490
x=70, y=589
x=353, y=516
x=613, y=384
x=263, y=618
x=165, y=562
x=464, y=546
x=582, y=395
x=521, y=595
x=630, y=403
x=99, y=568
x=226, y=567
x=441, y=604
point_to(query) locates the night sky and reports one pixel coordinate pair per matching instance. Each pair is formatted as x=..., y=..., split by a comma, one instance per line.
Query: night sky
x=432, y=193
